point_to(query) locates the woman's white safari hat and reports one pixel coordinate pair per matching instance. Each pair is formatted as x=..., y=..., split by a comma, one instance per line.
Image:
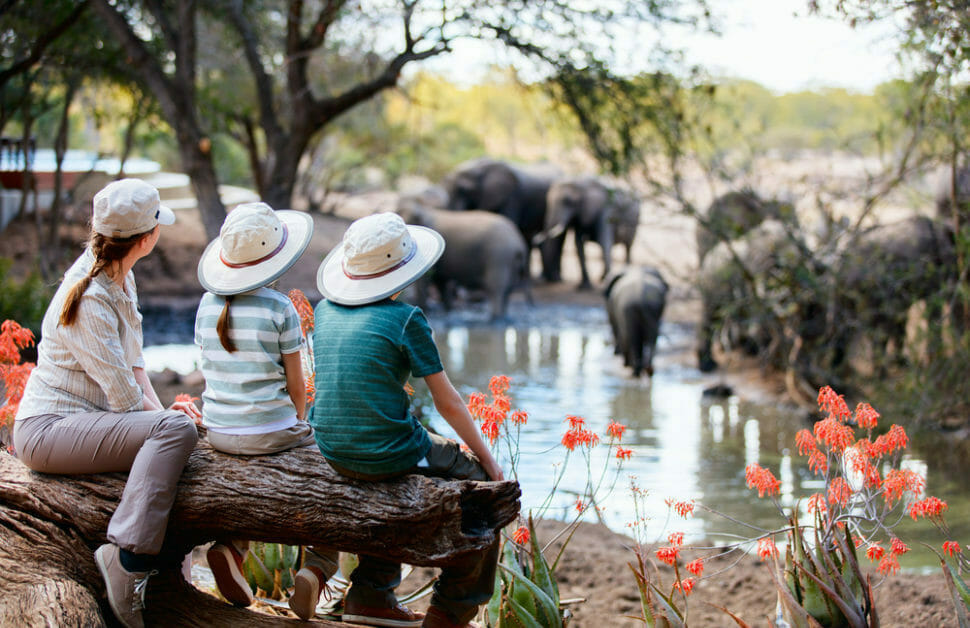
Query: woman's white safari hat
x=128, y=207
x=255, y=246
x=379, y=256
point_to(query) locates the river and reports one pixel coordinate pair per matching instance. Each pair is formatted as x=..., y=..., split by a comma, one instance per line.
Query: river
x=686, y=446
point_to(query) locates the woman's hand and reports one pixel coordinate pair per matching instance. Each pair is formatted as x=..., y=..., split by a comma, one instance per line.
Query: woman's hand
x=189, y=409
x=492, y=469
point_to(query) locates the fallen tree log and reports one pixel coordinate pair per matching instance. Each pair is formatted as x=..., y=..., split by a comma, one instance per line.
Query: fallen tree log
x=50, y=525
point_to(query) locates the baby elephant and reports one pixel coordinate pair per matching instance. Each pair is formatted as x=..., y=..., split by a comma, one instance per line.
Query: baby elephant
x=635, y=299
x=483, y=252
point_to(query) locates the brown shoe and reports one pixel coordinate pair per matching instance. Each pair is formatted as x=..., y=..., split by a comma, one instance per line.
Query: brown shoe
x=437, y=618
x=308, y=584
x=226, y=564
x=398, y=616
x=126, y=589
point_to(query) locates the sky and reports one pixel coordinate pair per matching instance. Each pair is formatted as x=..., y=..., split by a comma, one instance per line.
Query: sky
x=773, y=42
x=777, y=44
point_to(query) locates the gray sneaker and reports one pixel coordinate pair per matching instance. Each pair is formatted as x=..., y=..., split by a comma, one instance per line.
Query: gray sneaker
x=126, y=589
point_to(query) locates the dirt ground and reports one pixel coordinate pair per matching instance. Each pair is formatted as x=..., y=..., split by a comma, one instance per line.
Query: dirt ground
x=594, y=566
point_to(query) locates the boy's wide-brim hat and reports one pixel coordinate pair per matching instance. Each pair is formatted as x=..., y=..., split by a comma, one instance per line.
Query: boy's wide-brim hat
x=256, y=245
x=378, y=257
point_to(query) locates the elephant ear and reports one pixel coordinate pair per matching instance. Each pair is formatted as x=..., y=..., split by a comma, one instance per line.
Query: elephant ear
x=611, y=279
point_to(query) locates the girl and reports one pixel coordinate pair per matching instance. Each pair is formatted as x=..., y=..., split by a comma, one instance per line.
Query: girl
x=255, y=397
x=88, y=406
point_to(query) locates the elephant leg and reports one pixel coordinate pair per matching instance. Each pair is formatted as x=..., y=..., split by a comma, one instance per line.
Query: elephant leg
x=585, y=284
x=551, y=253
x=705, y=332
x=611, y=314
x=445, y=293
x=635, y=344
x=606, y=242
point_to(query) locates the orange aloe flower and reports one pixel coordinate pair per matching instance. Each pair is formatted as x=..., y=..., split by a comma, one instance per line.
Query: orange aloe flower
x=521, y=535
x=875, y=552
x=897, y=547
x=766, y=548
x=696, y=567
x=623, y=454
x=888, y=565
x=519, y=417
x=676, y=538
x=756, y=476
x=834, y=404
x=835, y=434
x=839, y=492
x=865, y=416
x=668, y=555
x=684, y=509
x=929, y=507
x=686, y=585
x=498, y=385
x=615, y=430
x=951, y=548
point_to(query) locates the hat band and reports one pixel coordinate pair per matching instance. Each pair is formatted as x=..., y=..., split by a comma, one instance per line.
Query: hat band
x=260, y=260
x=407, y=258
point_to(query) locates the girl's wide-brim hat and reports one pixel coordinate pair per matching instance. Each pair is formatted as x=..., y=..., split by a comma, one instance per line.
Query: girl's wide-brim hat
x=256, y=245
x=378, y=257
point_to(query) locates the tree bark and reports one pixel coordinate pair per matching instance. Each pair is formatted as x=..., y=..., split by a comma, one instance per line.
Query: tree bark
x=52, y=524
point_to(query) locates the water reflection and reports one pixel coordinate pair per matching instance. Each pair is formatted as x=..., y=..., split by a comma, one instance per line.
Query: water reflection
x=685, y=446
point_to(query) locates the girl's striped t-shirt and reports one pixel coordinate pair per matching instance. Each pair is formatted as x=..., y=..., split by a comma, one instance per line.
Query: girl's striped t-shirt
x=247, y=388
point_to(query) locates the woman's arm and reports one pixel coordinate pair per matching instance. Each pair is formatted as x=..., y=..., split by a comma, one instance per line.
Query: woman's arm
x=295, y=385
x=148, y=391
x=450, y=405
x=152, y=402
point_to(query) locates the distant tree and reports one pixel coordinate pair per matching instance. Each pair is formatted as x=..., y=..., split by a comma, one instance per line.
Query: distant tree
x=308, y=63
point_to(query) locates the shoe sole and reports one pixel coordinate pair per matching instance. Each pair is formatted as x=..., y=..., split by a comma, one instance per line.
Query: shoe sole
x=103, y=568
x=304, y=594
x=367, y=620
x=231, y=584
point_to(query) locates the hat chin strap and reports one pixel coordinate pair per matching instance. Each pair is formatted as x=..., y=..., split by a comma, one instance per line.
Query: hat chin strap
x=272, y=253
x=407, y=258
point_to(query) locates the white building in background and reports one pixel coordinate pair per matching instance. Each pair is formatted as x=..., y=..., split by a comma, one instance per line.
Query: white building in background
x=83, y=170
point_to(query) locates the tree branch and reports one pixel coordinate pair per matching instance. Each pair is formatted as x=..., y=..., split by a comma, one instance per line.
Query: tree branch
x=41, y=44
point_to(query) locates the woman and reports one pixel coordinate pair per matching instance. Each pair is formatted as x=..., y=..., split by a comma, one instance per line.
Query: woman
x=89, y=407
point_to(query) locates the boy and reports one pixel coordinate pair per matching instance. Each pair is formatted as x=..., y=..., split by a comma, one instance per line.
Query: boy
x=366, y=346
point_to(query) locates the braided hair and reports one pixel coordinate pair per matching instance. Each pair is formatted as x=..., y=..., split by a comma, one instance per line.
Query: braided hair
x=107, y=251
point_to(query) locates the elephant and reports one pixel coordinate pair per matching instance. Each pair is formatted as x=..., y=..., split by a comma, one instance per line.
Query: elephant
x=594, y=210
x=483, y=252
x=881, y=273
x=516, y=192
x=752, y=287
x=954, y=190
x=732, y=215
x=635, y=300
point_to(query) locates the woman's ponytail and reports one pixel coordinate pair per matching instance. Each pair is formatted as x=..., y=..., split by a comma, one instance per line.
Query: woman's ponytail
x=222, y=327
x=107, y=251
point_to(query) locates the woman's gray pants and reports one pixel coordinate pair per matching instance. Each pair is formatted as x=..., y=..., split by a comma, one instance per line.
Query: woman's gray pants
x=152, y=446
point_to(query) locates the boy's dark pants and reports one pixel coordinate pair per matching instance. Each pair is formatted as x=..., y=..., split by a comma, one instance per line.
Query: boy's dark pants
x=462, y=586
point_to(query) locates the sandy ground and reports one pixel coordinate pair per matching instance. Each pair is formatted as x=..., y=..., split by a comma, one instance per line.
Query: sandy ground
x=594, y=567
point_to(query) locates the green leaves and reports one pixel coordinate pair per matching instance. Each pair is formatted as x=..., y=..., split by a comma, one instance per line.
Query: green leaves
x=526, y=593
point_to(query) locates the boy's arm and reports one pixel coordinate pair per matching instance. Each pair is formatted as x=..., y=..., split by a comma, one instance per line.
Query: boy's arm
x=450, y=405
x=295, y=386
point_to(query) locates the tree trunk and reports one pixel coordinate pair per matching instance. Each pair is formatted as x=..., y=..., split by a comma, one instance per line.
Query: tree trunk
x=52, y=524
x=197, y=163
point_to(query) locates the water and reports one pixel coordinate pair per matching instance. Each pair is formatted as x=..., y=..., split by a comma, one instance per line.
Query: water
x=685, y=446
